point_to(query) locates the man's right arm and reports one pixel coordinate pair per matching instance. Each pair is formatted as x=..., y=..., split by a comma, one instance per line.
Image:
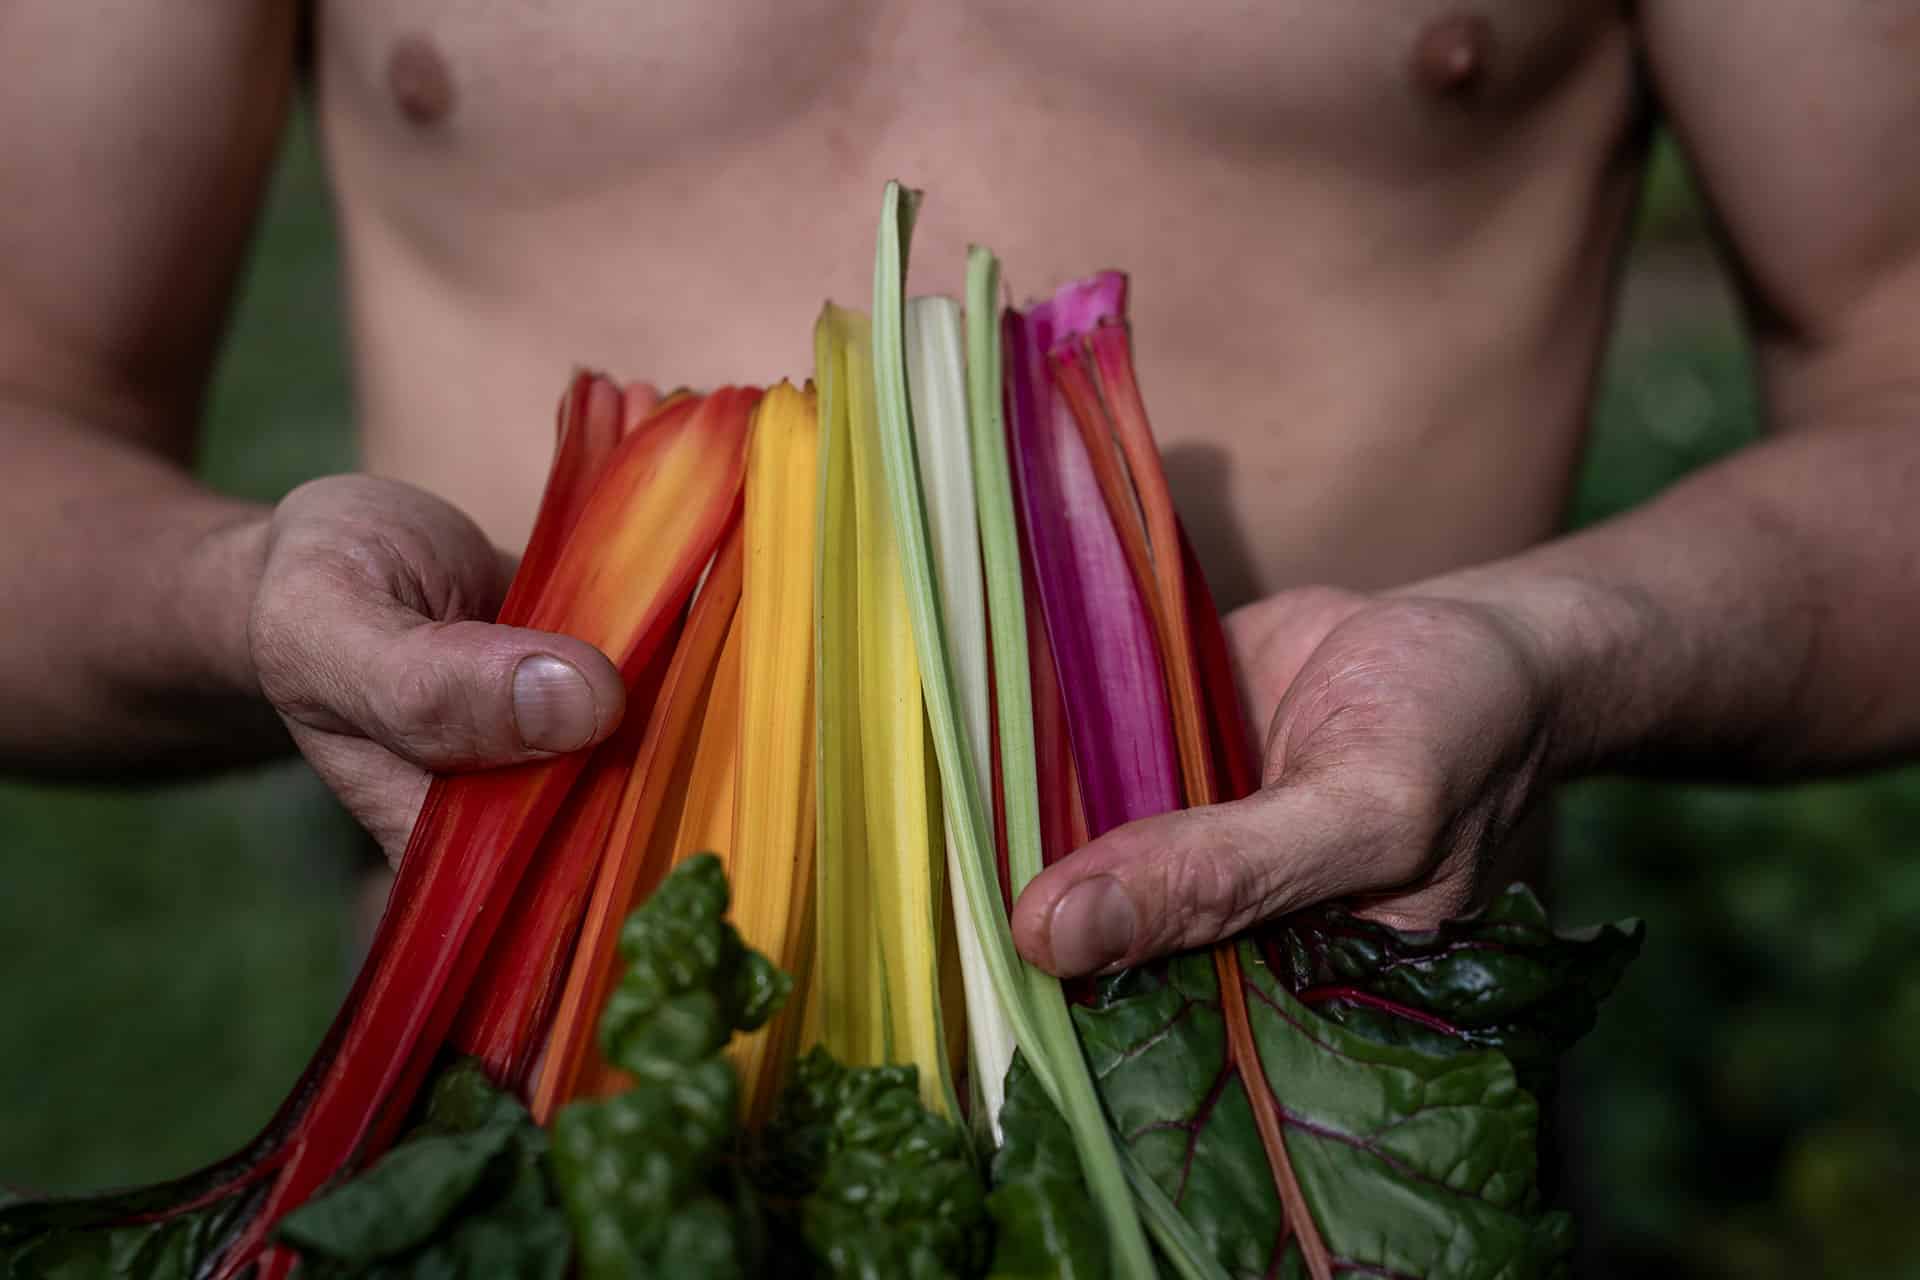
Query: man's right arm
x=150, y=622
x=140, y=142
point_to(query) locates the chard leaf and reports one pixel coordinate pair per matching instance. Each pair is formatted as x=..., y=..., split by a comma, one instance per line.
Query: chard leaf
x=887, y=1187
x=644, y=1176
x=39, y=1245
x=1416, y=1149
x=1045, y=1226
x=1503, y=980
x=644, y=1180
x=466, y=1194
x=690, y=981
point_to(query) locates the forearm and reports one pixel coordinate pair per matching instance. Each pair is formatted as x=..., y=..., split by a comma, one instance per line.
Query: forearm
x=128, y=590
x=1755, y=620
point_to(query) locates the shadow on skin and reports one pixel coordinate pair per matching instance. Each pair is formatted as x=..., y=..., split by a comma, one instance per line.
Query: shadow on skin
x=1201, y=479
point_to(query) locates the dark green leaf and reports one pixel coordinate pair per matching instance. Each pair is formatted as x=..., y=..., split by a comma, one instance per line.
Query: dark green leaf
x=91, y=1239
x=690, y=981
x=171, y=1249
x=1404, y=1120
x=1046, y=1226
x=889, y=1188
x=635, y=1170
x=644, y=1176
x=1501, y=980
x=399, y=1203
x=465, y=1194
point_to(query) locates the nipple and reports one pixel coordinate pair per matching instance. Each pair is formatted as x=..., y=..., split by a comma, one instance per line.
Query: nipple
x=1452, y=56
x=422, y=86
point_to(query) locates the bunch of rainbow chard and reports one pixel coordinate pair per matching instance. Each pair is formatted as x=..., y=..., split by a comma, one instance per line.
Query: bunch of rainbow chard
x=736, y=991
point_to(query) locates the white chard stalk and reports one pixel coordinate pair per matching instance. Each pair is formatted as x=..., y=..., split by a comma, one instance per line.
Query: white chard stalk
x=937, y=392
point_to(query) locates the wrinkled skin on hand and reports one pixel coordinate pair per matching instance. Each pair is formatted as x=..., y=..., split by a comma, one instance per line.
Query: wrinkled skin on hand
x=1404, y=737
x=371, y=635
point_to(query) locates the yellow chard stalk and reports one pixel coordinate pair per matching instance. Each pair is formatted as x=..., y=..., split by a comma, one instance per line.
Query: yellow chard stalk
x=771, y=865
x=879, y=798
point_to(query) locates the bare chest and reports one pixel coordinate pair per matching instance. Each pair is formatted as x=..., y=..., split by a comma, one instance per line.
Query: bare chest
x=1318, y=201
x=563, y=93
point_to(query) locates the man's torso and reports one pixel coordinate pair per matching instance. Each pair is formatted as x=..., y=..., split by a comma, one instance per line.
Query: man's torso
x=1372, y=245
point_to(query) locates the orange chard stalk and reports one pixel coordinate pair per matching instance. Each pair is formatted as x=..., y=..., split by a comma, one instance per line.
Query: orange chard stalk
x=1232, y=747
x=505, y=1023
x=637, y=851
x=619, y=581
x=1135, y=489
x=1077, y=388
x=706, y=814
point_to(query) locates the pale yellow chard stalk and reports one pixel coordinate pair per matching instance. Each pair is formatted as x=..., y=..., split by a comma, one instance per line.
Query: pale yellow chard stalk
x=849, y=993
x=771, y=865
x=937, y=388
x=1032, y=1001
x=886, y=772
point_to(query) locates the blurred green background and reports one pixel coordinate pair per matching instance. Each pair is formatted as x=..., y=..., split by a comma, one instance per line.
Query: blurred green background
x=1748, y=1106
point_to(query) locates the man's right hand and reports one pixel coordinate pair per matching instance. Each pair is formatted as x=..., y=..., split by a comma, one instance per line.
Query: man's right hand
x=371, y=635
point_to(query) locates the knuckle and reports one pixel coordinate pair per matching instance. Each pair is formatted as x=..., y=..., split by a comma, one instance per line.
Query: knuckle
x=280, y=658
x=1214, y=894
x=1403, y=822
x=307, y=497
x=1322, y=601
x=295, y=636
x=423, y=705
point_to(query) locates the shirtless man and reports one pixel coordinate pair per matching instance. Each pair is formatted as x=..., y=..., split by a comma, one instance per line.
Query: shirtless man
x=1374, y=248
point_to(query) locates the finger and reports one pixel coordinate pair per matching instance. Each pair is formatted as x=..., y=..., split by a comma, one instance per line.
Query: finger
x=1188, y=879
x=383, y=794
x=444, y=696
x=1281, y=632
x=1422, y=911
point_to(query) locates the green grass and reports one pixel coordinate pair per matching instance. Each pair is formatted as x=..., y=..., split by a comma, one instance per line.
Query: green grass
x=1671, y=207
x=1748, y=1106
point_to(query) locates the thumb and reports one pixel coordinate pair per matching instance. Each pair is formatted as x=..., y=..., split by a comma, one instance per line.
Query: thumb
x=446, y=696
x=1183, y=880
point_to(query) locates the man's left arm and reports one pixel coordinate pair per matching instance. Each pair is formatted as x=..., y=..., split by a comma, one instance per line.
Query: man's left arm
x=1756, y=620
